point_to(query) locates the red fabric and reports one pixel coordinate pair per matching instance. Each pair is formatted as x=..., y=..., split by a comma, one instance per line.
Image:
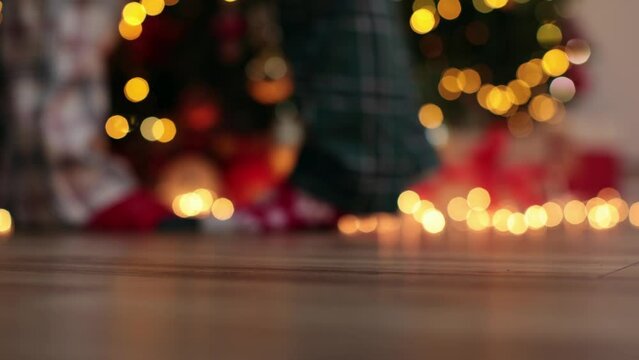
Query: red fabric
x=594, y=171
x=139, y=212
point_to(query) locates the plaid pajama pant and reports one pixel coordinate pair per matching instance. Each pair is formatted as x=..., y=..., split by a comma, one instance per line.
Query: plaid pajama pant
x=355, y=89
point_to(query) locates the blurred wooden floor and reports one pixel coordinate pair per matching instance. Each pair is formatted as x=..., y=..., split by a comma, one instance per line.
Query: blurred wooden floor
x=319, y=296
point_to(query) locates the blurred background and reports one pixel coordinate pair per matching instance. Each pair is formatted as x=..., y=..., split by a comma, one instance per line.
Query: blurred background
x=120, y=115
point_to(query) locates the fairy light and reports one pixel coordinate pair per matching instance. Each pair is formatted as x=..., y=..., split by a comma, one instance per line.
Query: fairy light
x=6, y=223
x=136, y=89
x=117, y=127
x=134, y=13
x=478, y=199
x=433, y=221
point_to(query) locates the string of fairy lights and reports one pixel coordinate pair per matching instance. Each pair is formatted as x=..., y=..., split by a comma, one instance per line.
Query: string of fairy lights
x=525, y=99
x=476, y=213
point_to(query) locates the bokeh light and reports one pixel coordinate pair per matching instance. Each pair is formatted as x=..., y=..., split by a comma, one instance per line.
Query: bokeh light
x=6, y=223
x=117, y=127
x=223, y=209
x=531, y=73
x=408, y=202
x=578, y=51
x=500, y=219
x=562, y=89
x=633, y=214
x=431, y=116
x=549, y=35
x=554, y=214
x=136, y=89
x=542, y=108
x=575, y=212
x=520, y=124
x=555, y=62
x=433, y=221
x=422, y=21
x=517, y=224
x=129, y=32
x=348, y=224
x=133, y=13
x=478, y=220
x=153, y=7
x=496, y=4
x=449, y=9
x=536, y=217
x=478, y=199
x=458, y=208
x=149, y=130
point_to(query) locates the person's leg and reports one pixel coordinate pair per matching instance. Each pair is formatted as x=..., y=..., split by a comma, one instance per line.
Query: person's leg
x=355, y=89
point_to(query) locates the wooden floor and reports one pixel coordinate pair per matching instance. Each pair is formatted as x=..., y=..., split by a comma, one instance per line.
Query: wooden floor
x=320, y=296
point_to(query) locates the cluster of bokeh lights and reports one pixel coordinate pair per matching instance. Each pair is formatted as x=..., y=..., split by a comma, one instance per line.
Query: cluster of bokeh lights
x=522, y=101
x=475, y=212
x=202, y=203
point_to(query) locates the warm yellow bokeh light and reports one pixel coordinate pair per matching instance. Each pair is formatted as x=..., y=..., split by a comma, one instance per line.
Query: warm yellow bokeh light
x=575, y=212
x=555, y=62
x=622, y=207
x=453, y=80
x=166, y=130
x=433, y=221
x=555, y=214
x=500, y=219
x=458, y=208
x=408, y=202
x=431, y=116
x=136, y=89
x=6, y=222
x=520, y=91
x=129, y=32
x=602, y=217
x=348, y=224
x=421, y=208
x=531, y=73
x=543, y=108
x=133, y=13
x=368, y=224
x=549, y=35
x=223, y=209
x=517, y=224
x=422, y=21
x=117, y=127
x=478, y=199
x=472, y=81
x=149, y=129
x=499, y=100
x=449, y=9
x=478, y=220
x=482, y=95
x=496, y=4
x=153, y=7
x=536, y=217
x=633, y=214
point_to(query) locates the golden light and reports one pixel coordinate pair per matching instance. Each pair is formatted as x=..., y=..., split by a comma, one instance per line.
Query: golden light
x=499, y=100
x=134, y=13
x=433, y=221
x=348, y=224
x=149, y=129
x=520, y=91
x=6, y=223
x=207, y=198
x=608, y=193
x=602, y=217
x=458, y=208
x=223, y=209
x=129, y=32
x=171, y=2
x=555, y=214
x=596, y=201
x=531, y=73
x=447, y=95
x=422, y=21
x=536, y=217
x=633, y=214
x=622, y=207
x=555, y=62
x=578, y=51
x=563, y=89
x=478, y=220
x=517, y=224
x=153, y=7
x=453, y=80
x=478, y=199
x=549, y=35
x=431, y=116
x=575, y=212
x=496, y=4
x=520, y=124
x=164, y=130
x=368, y=224
x=422, y=207
x=188, y=205
x=543, y=108
x=472, y=81
x=116, y=127
x=136, y=89
x=449, y=9
x=500, y=219
x=408, y=202
x=482, y=95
